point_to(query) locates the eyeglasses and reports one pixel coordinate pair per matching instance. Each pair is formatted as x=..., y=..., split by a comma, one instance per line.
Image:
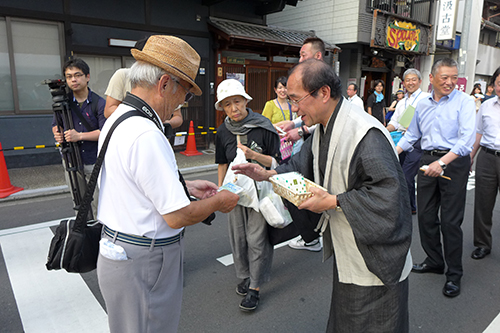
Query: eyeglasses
x=189, y=95
x=76, y=76
x=296, y=102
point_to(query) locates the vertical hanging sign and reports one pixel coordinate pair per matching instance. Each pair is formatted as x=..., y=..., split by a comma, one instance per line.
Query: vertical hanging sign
x=447, y=20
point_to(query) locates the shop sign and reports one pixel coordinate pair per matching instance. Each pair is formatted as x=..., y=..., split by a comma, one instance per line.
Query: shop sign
x=461, y=84
x=447, y=20
x=403, y=36
x=236, y=61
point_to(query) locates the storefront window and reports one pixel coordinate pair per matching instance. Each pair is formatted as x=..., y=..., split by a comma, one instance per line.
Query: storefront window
x=6, y=96
x=101, y=70
x=37, y=57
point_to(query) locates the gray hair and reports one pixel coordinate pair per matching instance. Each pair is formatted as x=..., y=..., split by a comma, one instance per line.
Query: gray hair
x=412, y=71
x=443, y=62
x=146, y=75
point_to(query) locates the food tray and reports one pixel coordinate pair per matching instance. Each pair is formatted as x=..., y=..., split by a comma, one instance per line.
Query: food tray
x=294, y=198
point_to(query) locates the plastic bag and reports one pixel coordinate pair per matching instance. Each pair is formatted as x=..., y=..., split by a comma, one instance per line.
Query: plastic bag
x=272, y=208
x=248, y=198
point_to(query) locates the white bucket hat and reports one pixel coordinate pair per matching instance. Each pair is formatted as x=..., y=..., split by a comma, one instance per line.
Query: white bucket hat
x=228, y=88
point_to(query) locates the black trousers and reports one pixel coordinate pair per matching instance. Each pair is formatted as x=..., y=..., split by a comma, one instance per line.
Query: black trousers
x=410, y=162
x=433, y=194
x=487, y=185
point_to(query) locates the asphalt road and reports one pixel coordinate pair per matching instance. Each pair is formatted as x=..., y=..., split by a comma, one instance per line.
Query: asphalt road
x=296, y=300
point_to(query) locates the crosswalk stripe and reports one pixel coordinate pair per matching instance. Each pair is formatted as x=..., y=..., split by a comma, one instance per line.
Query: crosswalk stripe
x=494, y=327
x=48, y=301
x=228, y=260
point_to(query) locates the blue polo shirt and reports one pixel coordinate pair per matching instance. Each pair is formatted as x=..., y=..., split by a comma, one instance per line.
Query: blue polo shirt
x=88, y=149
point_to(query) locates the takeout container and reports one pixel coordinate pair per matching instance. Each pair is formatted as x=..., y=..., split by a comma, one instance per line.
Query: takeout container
x=289, y=195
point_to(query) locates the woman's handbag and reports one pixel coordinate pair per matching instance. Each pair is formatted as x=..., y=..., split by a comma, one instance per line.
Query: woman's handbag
x=75, y=245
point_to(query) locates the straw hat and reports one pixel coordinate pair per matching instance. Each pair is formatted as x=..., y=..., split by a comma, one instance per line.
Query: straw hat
x=400, y=91
x=228, y=88
x=174, y=56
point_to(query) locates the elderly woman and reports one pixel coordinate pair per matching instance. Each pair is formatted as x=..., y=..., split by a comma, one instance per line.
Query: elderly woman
x=252, y=251
x=279, y=109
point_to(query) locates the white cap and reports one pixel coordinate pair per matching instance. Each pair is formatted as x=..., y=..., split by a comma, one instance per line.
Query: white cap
x=228, y=88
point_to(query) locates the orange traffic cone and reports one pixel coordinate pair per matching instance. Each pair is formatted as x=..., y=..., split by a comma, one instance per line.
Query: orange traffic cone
x=6, y=187
x=191, y=143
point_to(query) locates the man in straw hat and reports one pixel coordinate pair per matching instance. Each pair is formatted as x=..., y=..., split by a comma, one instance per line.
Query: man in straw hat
x=143, y=204
x=366, y=220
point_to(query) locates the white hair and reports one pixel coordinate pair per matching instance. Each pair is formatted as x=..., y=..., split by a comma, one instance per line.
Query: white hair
x=412, y=71
x=146, y=75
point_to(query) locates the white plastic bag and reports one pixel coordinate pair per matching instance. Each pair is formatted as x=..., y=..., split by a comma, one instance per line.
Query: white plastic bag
x=272, y=208
x=248, y=198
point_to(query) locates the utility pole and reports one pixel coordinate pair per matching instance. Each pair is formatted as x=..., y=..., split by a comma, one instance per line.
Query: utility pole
x=471, y=27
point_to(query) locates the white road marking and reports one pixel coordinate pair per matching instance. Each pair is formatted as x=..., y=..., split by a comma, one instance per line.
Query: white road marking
x=227, y=260
x=48, y=301
x=32, y=227
x=494, y=327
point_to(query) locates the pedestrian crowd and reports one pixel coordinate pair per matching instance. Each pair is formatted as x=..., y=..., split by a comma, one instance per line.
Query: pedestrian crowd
x=364, y=155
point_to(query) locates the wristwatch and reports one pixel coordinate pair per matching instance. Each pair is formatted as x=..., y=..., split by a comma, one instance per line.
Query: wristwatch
x=442, y=164
x=301, y=131
x=338, y=208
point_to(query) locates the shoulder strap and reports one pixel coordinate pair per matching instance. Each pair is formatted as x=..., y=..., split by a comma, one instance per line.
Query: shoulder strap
x=94, y=105
x=81, y=217
x=84, y=121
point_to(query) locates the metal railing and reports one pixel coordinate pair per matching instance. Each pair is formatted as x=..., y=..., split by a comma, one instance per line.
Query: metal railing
x=419, y=10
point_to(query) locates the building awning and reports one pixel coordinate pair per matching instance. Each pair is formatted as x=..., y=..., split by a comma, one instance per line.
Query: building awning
x=261, y=36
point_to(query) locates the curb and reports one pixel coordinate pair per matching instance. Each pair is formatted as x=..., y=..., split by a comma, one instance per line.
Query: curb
x=46, y=191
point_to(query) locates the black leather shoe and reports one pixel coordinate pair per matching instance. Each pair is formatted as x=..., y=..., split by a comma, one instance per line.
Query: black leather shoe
x=424, y=268
x=480, y=253
x=451, y=289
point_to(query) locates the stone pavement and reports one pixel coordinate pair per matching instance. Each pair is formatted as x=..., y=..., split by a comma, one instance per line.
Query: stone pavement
x=49, y=179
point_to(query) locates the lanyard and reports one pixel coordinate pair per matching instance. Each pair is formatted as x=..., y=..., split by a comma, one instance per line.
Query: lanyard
x=143, y=107
x=289, y=109
x=411, y=104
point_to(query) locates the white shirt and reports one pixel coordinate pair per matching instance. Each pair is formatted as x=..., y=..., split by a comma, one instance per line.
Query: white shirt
x=413, y=100
x=356, y=100
x=488, y=123
x=138, y=182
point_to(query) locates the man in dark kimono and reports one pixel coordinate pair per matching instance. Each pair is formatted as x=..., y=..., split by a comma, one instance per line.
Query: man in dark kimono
x=366, y=218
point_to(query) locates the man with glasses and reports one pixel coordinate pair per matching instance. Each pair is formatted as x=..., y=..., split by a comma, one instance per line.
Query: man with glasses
x=352, y=94
x=297, y=131
x=144, y=206
x=366, y=220
x=119, y=85
x=87, y=112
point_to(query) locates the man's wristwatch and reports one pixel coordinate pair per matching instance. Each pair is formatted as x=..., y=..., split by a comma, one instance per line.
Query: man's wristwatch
x=338, y=208
x=442, y=164
x=300, y=131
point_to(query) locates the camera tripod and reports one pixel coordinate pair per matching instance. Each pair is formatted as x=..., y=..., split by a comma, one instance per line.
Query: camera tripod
x=70, y=151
